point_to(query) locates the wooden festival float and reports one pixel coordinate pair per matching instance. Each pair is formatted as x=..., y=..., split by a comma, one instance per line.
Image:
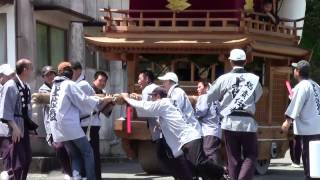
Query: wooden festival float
x=195, y=44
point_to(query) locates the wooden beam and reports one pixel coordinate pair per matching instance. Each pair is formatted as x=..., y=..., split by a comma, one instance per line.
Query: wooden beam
x=112, y=56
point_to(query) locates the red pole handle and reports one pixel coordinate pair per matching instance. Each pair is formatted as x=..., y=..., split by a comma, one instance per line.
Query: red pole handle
x=289, y=88
x=129, y=113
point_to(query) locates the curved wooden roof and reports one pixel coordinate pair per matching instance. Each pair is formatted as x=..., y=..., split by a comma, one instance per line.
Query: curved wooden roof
x=168, y=43
x=281, y=50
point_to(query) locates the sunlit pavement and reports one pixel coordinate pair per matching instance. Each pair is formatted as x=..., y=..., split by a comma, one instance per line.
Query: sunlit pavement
x=280, y=169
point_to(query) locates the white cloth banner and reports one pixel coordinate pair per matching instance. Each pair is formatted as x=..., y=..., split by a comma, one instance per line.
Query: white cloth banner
x=314, y=157
x=246, y=89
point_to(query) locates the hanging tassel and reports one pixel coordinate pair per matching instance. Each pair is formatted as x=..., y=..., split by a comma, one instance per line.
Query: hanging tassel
x=89, y=126
x=129, y=116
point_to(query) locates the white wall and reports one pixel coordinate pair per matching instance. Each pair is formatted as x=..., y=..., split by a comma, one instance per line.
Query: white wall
x=11, y=33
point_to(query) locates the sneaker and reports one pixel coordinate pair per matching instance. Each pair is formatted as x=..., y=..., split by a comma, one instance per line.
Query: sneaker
x=4, y=175
x=295, y=165
x=67, y=177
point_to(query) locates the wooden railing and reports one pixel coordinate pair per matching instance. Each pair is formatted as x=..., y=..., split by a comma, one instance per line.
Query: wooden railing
x=284, y=27
x=197, y=21
x=166, y=20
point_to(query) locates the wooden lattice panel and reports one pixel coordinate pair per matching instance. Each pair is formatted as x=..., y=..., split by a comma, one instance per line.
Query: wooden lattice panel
x=279, y=95
x=262, y=108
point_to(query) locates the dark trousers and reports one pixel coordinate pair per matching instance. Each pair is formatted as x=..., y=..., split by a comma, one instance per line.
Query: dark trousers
x=204, y=167
x=305, y=153
x=17, y=157
x=295, y=149
x=177, y=167
x=95, y=144
x=211, y=145
x=63, y=157
x=238, y=145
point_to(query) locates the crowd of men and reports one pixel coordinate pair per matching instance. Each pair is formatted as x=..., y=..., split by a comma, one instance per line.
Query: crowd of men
x=188, y=139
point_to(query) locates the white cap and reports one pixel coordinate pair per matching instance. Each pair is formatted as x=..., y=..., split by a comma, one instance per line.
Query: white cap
x=237, y=55
x=6, y=69
x=169, y=76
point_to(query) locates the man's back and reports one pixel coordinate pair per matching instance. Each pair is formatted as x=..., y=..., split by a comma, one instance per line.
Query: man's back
x=180, y=100
x=226, y=88
x=304, y=108
x=66, y=100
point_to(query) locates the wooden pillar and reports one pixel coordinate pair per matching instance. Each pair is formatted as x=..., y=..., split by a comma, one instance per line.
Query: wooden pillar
x=153, y=66
x=172, y=65
x=213, y=72
x=192, y=72
x=131, y=68
x=275, y=6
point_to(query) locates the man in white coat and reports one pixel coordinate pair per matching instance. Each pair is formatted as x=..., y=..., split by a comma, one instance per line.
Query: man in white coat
x=67, y=100
x=304, y=111
x=238, y=92
x=208, y=115
x=183, y=138
x=6, y=73
x=179, y=98
x=89, y=120
x=48, y=74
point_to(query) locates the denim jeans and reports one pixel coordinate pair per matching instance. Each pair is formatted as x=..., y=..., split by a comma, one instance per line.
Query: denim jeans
x=81, y=155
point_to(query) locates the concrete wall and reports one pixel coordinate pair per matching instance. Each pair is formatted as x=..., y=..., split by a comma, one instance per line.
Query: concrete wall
x=26, y=47
x=25, y=31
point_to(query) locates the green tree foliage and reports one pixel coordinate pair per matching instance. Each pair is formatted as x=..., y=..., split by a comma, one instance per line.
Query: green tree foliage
x=311, y=35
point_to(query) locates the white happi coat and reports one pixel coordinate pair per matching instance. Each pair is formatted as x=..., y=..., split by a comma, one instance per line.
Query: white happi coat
x=174, y=128
x=208, y=115
x=180, y=100
x=153, y=122
x=45, y=110
x=66, y=100
x=304, y=108
x=89, y=91
x=224, y=89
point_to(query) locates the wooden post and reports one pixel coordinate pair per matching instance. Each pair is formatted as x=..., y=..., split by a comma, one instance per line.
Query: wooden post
x=295, y=28
x=174, y=20
x=172, y=66
x=208, y=19
x=213, y=72
x=242, y=21
x=190, y=23
x=270, y=94
x=224, y=23
x=274, y=5
x=131, y=68
x=153, y=66
x=141, y=19
x=227, y=66
x=192, y=72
